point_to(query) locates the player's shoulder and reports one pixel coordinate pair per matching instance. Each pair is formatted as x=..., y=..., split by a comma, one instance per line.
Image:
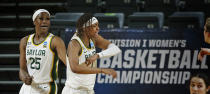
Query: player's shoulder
x=74, y=44
x=24, y=39
x=56, y=39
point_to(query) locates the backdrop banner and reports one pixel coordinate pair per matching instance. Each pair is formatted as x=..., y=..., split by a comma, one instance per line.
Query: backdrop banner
x=151, y=62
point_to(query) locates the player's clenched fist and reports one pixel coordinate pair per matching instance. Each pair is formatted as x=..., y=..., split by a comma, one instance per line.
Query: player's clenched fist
x=28, y=80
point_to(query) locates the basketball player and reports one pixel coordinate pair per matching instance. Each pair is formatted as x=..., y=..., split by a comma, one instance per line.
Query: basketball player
x=205, y=51
x=82, y=56
x=39, y=53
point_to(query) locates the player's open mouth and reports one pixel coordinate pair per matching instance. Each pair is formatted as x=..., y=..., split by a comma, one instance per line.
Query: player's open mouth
x=44, y=26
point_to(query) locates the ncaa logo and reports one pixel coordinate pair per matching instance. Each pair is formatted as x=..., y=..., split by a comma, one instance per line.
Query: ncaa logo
x=45, y=44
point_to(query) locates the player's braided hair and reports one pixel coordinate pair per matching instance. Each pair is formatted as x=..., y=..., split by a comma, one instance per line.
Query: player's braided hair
x=81, y=21
x=208, y=24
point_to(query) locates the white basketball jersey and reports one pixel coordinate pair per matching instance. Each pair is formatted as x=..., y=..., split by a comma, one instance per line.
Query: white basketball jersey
x=82, y=81
x=41, y=60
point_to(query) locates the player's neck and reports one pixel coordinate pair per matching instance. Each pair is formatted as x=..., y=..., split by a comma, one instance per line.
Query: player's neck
x=85, y=39
x=41, y=35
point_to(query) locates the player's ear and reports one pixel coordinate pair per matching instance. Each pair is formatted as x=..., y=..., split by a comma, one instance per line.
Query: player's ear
x=34, y=22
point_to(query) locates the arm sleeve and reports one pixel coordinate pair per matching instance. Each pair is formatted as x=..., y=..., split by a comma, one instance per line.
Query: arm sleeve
x=110, y=51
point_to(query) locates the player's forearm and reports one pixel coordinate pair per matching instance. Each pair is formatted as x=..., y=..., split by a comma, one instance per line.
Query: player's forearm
x=63, y=58
x=23, y=74
x=83, y=69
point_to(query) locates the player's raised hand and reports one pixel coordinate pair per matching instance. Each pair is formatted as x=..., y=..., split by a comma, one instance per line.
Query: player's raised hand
x=203, y=51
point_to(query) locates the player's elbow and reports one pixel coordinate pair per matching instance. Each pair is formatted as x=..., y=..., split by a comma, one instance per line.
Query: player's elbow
x=74, y=70
x=20, y=76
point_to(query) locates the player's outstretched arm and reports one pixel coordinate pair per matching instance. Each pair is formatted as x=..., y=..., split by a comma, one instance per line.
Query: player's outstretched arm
x=109, y=49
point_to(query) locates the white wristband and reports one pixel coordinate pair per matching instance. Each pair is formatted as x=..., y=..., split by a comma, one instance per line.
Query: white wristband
x=110, y=51
x=100, y=55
